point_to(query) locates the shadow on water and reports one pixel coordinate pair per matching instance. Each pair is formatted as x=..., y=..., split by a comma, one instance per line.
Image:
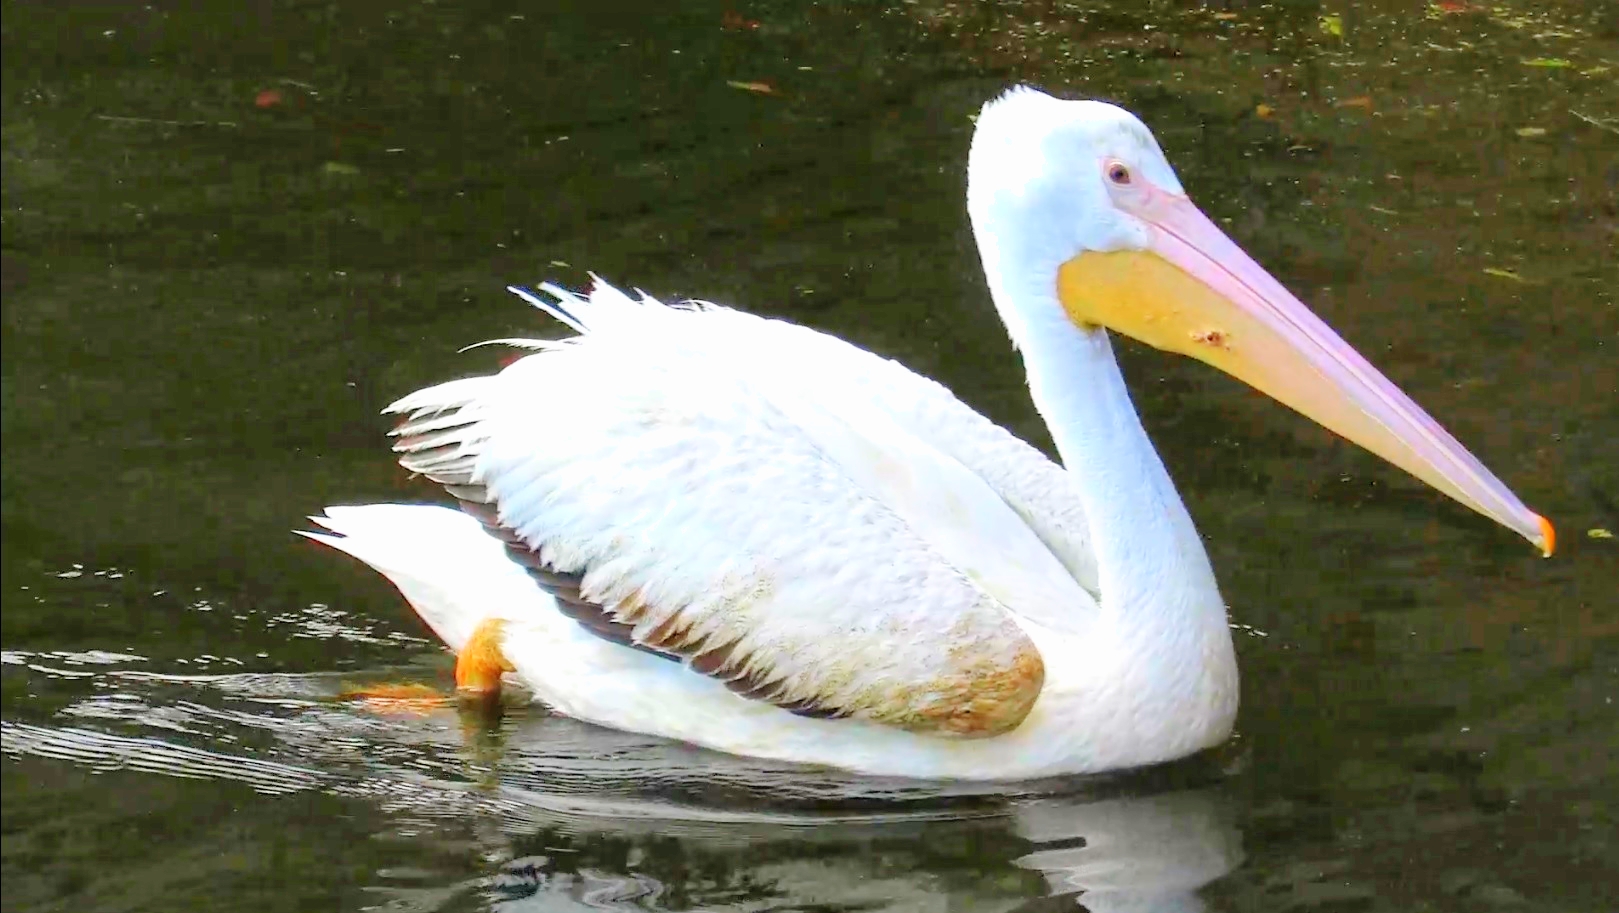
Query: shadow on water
x=232, y=234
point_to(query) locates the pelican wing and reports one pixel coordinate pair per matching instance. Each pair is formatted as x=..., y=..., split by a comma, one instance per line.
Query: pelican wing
x=1040, y=492
x=704, y=519
x=1029, y=541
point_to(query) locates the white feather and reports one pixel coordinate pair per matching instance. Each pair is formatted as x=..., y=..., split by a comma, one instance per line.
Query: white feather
x=687, y=486
x=453, y=574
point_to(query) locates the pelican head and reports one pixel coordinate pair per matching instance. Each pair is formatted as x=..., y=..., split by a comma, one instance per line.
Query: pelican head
x=1081, y=219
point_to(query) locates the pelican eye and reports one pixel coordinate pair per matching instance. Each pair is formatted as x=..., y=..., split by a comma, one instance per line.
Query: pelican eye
x=1118, y=173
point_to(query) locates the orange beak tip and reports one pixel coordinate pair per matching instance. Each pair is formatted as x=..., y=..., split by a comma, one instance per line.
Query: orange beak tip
x=1548, y=537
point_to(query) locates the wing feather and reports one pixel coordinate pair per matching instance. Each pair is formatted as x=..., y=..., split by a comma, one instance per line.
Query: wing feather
x=1038, y=490
x=694, y=511
x=825, y=368
x=812, y=524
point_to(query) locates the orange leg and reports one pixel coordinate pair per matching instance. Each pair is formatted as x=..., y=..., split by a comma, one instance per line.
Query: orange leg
x=479, y=665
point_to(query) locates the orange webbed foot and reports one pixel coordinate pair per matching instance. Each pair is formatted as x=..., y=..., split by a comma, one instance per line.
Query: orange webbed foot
x=406, y=698
x=481, y=662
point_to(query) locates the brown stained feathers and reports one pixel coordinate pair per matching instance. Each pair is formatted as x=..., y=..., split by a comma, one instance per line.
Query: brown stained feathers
x=978, y=701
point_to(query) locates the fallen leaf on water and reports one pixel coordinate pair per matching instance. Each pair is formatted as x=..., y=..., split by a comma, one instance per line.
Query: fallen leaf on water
x=343, y=168
x=1333, y=25
x=1599, y=533
x=560, y=264
x=1451, y=6
x=1364, y=102
x=1553, y=62
x=1503, y=274
x=1527, y=132
x=268, y=98
x=737, y=22
x=1386, y=212
x=1225, y=17
x=763, y=88
x=1264, y=111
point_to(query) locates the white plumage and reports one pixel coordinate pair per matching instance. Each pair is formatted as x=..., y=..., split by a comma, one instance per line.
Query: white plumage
x=748, y=535
x=841, y=516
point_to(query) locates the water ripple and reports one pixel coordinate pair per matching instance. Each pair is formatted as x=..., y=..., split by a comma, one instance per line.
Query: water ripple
x=569, y=815
x=103, y=752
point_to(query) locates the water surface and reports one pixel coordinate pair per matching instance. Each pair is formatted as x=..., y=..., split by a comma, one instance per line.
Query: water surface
x=231, y=234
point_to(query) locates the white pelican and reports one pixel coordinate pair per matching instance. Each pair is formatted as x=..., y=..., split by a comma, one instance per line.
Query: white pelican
x=744, y=534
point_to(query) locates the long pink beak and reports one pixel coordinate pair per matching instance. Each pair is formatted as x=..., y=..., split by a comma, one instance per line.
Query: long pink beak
x=1206, y=298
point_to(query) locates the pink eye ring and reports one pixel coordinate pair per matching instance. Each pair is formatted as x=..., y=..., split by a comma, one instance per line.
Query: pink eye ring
x=1118, y=173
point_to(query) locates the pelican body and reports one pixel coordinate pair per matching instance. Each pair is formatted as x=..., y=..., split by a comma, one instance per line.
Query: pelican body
x=747, y=535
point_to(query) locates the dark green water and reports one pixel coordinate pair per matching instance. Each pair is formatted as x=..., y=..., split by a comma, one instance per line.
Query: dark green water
x=209, y=292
